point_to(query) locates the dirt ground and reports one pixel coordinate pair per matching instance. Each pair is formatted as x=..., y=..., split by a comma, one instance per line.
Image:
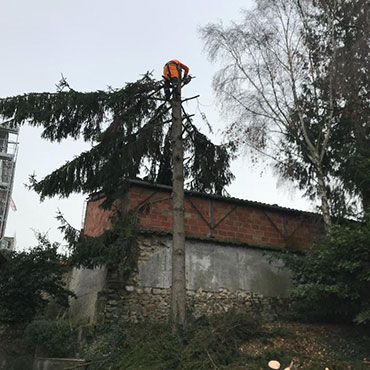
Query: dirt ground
x=308, y=346
x=314, y=346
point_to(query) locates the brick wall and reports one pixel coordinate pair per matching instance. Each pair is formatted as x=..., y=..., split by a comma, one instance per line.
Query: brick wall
x=224, y=219
x=96, y=219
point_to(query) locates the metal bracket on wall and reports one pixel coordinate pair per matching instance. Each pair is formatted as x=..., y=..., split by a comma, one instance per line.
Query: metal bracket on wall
x=302, y=219
x=199, y=213
x=211, y=225
x=226, y=215
x=282, y=233
x=143, y=203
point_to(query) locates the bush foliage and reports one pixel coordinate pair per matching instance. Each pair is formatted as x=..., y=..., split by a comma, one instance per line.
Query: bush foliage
x=115, y=248
x=56, y=338
x=332, y=281
x=208, y=343
x=29, y=280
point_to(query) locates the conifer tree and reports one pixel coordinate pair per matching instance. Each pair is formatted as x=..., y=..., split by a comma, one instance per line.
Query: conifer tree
x=350, y=154
x=130, y=132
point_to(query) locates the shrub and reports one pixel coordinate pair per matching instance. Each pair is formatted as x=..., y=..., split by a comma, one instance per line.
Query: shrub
x=29, y=280
x=207, y=343
x=332, y=281
x=56, y=338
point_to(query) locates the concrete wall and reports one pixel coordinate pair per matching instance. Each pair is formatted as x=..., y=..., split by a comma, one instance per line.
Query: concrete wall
x=214, y=266
x=86, y=284
x=219, y=278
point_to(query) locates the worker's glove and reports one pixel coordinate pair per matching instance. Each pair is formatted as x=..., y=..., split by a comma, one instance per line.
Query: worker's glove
x=187, y=79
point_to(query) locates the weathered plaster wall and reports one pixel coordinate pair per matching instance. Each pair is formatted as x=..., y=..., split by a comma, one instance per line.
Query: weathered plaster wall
x=219, y=278
x=213, y=266
x=86, y=284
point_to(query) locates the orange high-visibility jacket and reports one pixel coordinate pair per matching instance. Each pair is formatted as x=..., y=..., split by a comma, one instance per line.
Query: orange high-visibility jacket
x=172, y=68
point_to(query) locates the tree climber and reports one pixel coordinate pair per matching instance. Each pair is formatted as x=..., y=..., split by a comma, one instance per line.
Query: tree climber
x=172, y=76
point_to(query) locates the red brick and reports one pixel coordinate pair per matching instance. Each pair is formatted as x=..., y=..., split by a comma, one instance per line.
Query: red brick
x=243, y=224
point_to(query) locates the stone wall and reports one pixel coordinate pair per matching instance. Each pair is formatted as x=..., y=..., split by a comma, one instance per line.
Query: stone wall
x=219, y=278
x=136, y=304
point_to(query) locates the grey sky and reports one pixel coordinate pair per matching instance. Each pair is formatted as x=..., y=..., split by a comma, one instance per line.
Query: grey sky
x=96, y=44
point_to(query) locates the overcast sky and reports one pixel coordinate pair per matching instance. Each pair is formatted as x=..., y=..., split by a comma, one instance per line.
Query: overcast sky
x=96, y=44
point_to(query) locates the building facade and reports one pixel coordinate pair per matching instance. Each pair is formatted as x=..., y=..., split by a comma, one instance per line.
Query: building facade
x=232, y=255
x=8, y=158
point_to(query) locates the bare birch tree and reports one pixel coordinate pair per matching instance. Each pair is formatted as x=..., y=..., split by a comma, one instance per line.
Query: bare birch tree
x=277, y=86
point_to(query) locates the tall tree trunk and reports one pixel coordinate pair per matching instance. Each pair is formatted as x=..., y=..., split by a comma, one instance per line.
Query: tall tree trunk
x=325, y=210
x=178, y=291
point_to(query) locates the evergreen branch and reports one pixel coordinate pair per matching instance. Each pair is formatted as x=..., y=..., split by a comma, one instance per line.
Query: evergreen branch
x=76, y=114
x=136, y=138
x=209, y=168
